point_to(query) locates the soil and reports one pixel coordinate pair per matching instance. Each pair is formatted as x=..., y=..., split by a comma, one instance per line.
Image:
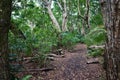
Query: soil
x=73, y=66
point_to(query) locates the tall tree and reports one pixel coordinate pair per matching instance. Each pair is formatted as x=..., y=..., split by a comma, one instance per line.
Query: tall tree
x=5, y=14
x=64, y=17
x=63, y=9
x=111, y=15
x=53, y=18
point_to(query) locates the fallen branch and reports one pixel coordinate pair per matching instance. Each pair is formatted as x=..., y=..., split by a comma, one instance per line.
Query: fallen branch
x=34, y=70
x=97, y=47
x=93, y=61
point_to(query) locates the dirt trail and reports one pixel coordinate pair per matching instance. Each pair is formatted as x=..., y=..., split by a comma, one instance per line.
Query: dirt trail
x=74, y=67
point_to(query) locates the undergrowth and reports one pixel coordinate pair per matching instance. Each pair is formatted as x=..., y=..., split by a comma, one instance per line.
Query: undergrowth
x=96, y=36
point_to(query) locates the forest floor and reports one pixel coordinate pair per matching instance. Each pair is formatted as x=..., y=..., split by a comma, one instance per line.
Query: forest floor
x=73, y=66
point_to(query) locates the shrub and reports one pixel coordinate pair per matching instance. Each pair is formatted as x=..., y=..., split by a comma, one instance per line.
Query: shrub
x=96, y=36
x=38, y=43
x=95, y=52
x=69, y=39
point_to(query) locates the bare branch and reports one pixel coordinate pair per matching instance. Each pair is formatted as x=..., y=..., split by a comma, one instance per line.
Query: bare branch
x=59, y=5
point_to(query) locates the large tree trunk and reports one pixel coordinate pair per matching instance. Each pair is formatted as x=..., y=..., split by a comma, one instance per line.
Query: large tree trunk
x=111, y=15
x=5, y=13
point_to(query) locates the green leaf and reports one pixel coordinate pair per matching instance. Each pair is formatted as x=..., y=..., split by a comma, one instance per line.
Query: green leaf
x=27, y=77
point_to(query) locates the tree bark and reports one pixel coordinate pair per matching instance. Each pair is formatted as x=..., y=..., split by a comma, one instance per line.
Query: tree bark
x=111, y=16
x=53, y=18
x=57, y=26
x=64, y=17
x=85, y=19
x=5, y=14
x=87, y=16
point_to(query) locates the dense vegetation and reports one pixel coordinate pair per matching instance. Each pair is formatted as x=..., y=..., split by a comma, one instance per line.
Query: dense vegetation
x=36, y=35
x=39, y=27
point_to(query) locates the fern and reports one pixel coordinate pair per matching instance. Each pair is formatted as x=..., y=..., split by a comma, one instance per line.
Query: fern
x=96, y=36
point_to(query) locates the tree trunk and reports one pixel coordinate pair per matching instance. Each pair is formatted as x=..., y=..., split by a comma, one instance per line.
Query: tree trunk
x=111, y=15
x=5, y=14
x=85, y=19
x=53, y=18
x=64, y=17
x=87, y=16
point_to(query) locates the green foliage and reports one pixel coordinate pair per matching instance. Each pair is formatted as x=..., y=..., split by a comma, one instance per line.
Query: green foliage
x=95, y=52
x=69, y=39
x=16, y=45
x=97, y=19
x=27, y=77
x=96, y=36
x=38, y=42
x=36, y=25
x=42, y=38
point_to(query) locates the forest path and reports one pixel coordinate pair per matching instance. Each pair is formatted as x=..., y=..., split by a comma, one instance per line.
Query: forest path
x=74, y=67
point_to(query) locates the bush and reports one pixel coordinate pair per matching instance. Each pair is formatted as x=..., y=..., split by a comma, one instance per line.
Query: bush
x=69, y=39
x=96, y=36
x=37, y=44
x=95, y=52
